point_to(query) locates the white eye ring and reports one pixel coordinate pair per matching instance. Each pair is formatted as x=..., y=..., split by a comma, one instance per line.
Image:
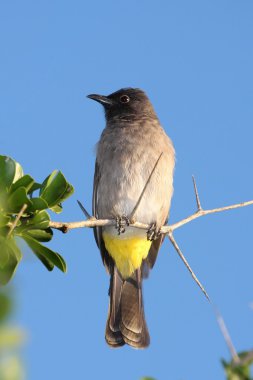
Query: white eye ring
x=124, y=99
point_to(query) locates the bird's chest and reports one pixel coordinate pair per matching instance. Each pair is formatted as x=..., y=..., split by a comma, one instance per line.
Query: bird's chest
x=122, y=179
x=124, y=159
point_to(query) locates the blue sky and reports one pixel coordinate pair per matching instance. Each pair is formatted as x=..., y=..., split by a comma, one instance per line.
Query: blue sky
x=194, y=59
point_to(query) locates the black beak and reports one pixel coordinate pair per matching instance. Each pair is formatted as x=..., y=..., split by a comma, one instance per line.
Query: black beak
x=104, y=100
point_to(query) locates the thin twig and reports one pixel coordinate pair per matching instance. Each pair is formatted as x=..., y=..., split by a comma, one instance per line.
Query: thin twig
x=131, y=218
x=88, y=216
x=173, y=241
x=206, y=212
x=196, y=194
x=19, y=215
x=227, y=337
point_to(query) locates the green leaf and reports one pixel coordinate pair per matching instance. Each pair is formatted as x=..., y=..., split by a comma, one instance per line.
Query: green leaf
x=234, y=371
x=18, y=172
x=34, y=187
x=3, y=198
x=5, y=306
x=43, y=252
x=246, y=357
x=14, y=256
x=7, y=171
x=37, y=204
x=47, y=263
x=26, y=181
x=57, y=209
x=15, y=250
x=4, y=220
x=40, y=221
x=17, y=199
x=4, y=252
x=4, y=231
x=8, y=271
x=55, y=189
x=40, y=235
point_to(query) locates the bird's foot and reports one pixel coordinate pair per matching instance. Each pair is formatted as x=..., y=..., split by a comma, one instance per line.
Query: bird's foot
x=153, y=232
x=121, y=222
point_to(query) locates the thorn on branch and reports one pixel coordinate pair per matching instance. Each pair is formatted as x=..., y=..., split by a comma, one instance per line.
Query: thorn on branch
x=196, y=194
x=173, y=241
x=88, y=216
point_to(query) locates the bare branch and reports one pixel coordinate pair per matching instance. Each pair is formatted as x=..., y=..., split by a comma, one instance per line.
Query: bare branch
x=90, y=223
x=227, y=337
x=196, y=194
x=131, y=218
x=93, y=222
x=14, y=224
x=173, y=241
x=166, y=230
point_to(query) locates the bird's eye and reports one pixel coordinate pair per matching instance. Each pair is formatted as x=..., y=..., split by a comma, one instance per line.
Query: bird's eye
x=124, y=99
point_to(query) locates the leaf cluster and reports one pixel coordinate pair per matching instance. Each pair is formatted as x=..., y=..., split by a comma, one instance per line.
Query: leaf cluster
x=240, y=370
x=16, y=190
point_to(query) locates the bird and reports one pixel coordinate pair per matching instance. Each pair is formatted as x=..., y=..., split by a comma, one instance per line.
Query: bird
x=133, y=154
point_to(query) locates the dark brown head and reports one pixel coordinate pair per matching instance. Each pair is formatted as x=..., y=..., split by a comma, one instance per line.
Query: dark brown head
x=127, y=103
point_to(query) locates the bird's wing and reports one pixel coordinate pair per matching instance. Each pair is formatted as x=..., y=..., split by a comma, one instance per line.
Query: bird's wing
x=149, y=262
x=154, y=249
x=107, y=260
x=153, y=252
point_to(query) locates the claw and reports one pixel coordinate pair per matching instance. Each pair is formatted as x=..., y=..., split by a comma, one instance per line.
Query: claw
x=121, y=222
x=153, y=232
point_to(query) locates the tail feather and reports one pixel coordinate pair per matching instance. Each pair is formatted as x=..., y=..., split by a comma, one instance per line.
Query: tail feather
x=113, y=338
x=113, y=334
x=126, y=321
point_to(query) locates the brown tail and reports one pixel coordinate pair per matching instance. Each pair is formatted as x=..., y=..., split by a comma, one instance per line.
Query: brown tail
x=126, y=321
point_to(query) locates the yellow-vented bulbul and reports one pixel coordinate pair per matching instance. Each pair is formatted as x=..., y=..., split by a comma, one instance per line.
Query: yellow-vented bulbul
x=127, y=152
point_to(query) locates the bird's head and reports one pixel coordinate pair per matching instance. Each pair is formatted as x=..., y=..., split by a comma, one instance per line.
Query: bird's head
x=127, y=103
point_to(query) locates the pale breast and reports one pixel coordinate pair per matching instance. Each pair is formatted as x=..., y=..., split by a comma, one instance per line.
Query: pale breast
x=126, y=156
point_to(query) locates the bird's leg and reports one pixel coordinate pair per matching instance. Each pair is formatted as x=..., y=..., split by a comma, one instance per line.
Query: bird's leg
x=153, y=232
x=121, y=222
